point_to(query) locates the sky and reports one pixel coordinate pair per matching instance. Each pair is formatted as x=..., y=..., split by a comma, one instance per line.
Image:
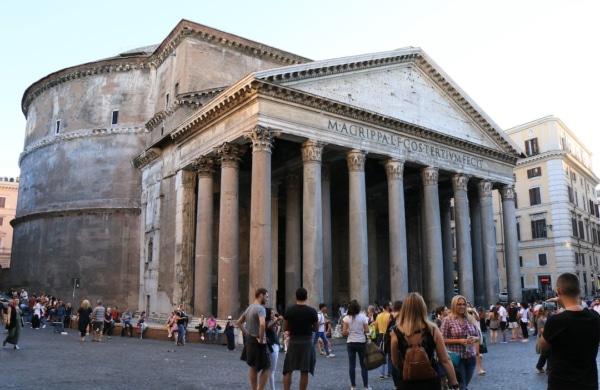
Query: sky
x=518, y=60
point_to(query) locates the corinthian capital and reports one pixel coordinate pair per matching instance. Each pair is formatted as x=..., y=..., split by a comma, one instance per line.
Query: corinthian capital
x=460, y=182
x=485, y=188
x=204, y=165
x=262, y=139
x=508, y=192
x=229, y=154
x=312, y=151
x=356, y=160
x=430, y=176
x=394, y=169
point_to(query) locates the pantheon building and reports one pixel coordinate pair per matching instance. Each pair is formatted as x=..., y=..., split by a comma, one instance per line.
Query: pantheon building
x=197, y=170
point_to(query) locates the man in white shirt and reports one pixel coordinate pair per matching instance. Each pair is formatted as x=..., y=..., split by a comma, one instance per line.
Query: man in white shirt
x=320, y=334
x=503, y=321
x=524, y=321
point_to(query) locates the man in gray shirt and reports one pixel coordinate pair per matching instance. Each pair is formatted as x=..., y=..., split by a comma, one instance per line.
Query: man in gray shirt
x=97, y=318
x=252, y=325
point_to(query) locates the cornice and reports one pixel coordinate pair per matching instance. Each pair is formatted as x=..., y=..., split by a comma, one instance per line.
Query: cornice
x=72, y=135
x=182, y=30
x=74, y=211
x=146, y=157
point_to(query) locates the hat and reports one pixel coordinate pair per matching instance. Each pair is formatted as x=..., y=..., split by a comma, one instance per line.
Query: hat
x=228, y=317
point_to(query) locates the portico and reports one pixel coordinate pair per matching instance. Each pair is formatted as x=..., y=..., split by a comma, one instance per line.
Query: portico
x=362, y=206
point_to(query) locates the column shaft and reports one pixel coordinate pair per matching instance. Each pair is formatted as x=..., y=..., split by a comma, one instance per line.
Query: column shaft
x=260, y=211
x=397, y=225
x=463, y=237
x=203, y=269
x=488, y=239
x=446, y=219
x=228, y=264
x=433, y=255
x=183, y=289
x=312, y=222
x=477, y=251
x=293, y=237
x=327, y=248
x=511, y=244
x=359, y=248
x=274, y=244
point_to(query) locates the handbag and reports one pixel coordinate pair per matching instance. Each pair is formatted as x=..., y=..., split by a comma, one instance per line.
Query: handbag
x=374, y=357
x=454, y=358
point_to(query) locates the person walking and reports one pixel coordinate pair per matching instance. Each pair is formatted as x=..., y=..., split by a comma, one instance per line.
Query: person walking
x=541, y=318
x=97, y=319
x=38, y=311
x=503, y=314
x=354, y=326
x=253, y=326
x=320, y=333
x=524, y=321
x=573, y=336
x=513, y=321
x=300, y=321
x=14, y=324
x=413, y=328
x=382, y=322
x=494, y=325
x=461, y=337
x=83, y=317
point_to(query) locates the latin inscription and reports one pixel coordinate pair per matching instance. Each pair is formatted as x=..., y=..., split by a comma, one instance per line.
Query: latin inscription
x=409, y=145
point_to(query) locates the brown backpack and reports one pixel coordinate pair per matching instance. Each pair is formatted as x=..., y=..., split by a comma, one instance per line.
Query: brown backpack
x=416, y=365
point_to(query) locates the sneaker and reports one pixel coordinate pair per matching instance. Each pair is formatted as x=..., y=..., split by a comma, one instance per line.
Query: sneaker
x=64, y=333
x=330, y=355
x=525, y=340
x=322, y=353
x=540, y=370
x=481, y=372
x=44, y=326
x=17, y=347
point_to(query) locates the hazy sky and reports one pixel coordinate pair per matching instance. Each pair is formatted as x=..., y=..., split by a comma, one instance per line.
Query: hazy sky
x=519, y=60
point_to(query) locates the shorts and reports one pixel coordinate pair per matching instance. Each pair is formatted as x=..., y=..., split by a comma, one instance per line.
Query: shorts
x=502, y=326
x=513, y=325
x=256, y=355
x=98, y=326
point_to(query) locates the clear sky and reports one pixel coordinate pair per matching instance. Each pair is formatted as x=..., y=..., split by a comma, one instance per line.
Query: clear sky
x=519, y=60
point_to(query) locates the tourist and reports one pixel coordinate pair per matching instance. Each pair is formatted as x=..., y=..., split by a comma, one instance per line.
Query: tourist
x=68, y=314
x=396, y=308
x=252, y=323
x=461, y=337
x=524, y=314
x=300, y=321
x=541, y=318
x=181, y=321
x=414, y=328
x=38, y=311
x=141, y=325
x=272, y=326
x=354, y=327
x=83, y=317
x=573, y=336
x=126, y=326
x=14, y=324
x=171, y=324
x=229, y=334
x=382, y=322
x=109, y=323
x=211, y=328
x=494, y=324
x=503, y=314
x=97, y=319
x=116, y=315
x=440, y=313
x=480, y=347
x=513, y=325
x=59, y=317
x=536, y=308
x=320, y=333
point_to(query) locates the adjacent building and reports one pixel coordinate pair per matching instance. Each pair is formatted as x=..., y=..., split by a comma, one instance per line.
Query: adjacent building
x=558, y=224
x=9, y=187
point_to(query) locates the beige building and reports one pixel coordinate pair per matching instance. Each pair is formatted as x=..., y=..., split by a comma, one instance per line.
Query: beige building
x=9, y=188
x=557, y=208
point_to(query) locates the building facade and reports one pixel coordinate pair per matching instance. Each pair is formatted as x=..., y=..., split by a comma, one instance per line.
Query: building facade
x=557, y=207
x=9, y=189
x=197, y=170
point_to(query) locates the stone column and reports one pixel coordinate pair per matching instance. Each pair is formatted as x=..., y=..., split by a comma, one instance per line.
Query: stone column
x=477, y=251
x=394, y=170
x=511, y=244
x=312, y=222
x=274, y=243
x=446, y=219
x=260, y=211
x=359, y=248
x=228, y=264
x=488, y=240
x=463, y=236
x=327, y=246
x=293, y=238
x=372, y=242
x=433, y=259
x=183, y=288
x=203, y=269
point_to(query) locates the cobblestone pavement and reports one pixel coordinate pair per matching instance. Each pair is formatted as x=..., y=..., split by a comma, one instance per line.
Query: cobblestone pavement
x=52, y=361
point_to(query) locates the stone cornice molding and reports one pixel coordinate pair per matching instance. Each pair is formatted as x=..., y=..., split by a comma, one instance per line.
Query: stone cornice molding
x=460, y=182
x=204, y=166
x=508, y=192
x=430, y=176
x=72, y=135
x=356, y=160
x=73, y=211
x=182, y=30
x=146, y=157
x=312, y=151
x=261, y=139
x=484, y=188
x=562, y=154
x=229, y=155
x=394, y=169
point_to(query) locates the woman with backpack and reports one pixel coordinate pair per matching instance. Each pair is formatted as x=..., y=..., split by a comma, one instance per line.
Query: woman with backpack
x=418, y=349
x=461, y=337
x=355, y=326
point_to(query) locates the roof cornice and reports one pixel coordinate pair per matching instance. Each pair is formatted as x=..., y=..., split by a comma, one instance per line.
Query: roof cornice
x=182, y=30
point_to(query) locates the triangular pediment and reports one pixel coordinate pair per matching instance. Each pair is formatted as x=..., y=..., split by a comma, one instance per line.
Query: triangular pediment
x=401, y=84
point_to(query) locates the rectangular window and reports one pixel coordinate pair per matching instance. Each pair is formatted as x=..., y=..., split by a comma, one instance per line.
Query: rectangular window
x=591, y=203
x=531, y=147
x=576, y=258
x=538, y=228
x=570, y=190
x=522, y=282
x=149, y=251
x=576, y=198
x=534, y=172
x=516, y=201
x=520, y=261
x=115, y=117
x=542, y=259
x=581, y=231
x=167, y=101
x=1, y=221
x=2, y=202
x=574, y=226
x=519, y=231
x=534, y=196
x=57, y=127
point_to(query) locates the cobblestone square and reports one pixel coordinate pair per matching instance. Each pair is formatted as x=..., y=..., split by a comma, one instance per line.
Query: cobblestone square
x=51, y=361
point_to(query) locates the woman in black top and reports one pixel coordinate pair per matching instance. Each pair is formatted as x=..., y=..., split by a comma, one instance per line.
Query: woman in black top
x=83, y=315
x=273, y=321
